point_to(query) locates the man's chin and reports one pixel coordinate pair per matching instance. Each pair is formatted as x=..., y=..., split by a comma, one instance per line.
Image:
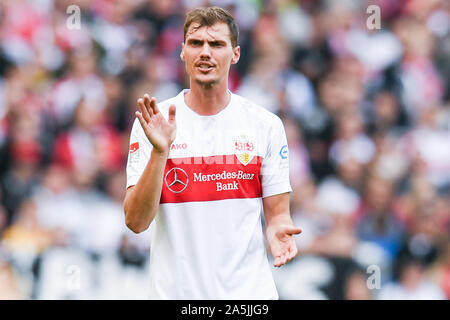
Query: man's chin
x=206, y=82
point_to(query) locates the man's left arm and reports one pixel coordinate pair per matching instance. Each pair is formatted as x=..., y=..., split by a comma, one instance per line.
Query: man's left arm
x=280, y=230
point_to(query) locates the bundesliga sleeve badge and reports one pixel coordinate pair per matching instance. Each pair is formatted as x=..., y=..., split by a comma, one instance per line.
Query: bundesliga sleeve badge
x=134, y=152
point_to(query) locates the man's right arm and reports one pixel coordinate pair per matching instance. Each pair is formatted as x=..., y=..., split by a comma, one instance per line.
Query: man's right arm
x=142, y=199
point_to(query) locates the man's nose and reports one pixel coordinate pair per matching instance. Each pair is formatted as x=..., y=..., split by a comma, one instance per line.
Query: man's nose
x=206, y=51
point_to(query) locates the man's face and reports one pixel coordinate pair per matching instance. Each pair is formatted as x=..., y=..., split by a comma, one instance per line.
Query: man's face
x=208, y=53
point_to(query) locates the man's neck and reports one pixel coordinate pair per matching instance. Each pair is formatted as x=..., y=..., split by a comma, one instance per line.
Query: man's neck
x=207, y=100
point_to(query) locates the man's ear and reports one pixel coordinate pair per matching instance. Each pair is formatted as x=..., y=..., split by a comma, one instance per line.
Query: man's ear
x=236, y=55
x=182, y=51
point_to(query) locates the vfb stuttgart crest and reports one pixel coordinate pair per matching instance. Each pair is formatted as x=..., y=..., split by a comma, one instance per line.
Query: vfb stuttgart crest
x=244, y=149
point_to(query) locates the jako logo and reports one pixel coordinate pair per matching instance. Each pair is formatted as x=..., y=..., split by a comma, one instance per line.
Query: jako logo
x=178, y=146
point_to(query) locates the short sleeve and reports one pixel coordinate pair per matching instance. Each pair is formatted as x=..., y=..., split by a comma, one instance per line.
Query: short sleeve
x=138, y=153
x=275, y=165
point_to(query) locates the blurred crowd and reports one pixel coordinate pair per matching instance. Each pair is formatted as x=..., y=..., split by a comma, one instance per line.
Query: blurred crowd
x=366, y=112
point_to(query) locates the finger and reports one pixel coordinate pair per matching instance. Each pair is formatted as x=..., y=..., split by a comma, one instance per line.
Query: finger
x=282, y=260
x=289, y=257
x=153, y=105
x=144, y=110
x=293, y=230
x=285, y=258
x=276, y=263
x=281, y=257
x=172, y=112
x=147, y=103
x=292, y=253
x=141, y=120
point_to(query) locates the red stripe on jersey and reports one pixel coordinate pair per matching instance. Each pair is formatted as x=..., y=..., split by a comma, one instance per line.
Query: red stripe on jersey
x=210, y=178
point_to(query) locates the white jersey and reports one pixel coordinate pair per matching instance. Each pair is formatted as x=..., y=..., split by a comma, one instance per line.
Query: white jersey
x=207, y=238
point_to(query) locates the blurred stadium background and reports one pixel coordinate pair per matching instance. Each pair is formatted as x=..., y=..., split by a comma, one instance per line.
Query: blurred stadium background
x=367, y=114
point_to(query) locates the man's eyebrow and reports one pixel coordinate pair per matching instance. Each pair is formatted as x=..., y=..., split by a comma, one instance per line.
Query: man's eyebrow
x=209, y=41
x=194, y=39
x=217, y=41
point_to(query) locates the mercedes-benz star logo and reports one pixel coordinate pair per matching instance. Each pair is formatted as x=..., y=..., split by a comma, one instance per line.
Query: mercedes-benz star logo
x=176, y=180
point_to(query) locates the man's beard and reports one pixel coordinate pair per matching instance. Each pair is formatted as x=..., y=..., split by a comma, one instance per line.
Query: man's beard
x=207, y=84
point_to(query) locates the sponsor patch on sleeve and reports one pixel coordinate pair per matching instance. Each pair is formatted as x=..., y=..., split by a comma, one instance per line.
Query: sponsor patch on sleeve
x=284, y=152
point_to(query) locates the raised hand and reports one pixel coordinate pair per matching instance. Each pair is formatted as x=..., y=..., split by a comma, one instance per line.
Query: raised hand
x=159, y=131
x=282, y=243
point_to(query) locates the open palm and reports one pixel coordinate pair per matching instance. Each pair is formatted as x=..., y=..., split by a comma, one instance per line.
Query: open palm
x=160, y=132
x=282, y=243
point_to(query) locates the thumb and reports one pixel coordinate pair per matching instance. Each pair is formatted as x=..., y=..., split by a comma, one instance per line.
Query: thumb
x=172, y=112
x=292, y=230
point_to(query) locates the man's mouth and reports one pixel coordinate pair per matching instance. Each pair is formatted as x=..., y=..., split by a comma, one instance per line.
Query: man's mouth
x=205, y=67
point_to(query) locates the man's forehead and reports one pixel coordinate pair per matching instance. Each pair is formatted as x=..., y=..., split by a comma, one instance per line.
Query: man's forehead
x=217, y=30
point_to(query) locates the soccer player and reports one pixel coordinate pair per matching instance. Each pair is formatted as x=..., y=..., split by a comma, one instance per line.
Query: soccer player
x=201, y=167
